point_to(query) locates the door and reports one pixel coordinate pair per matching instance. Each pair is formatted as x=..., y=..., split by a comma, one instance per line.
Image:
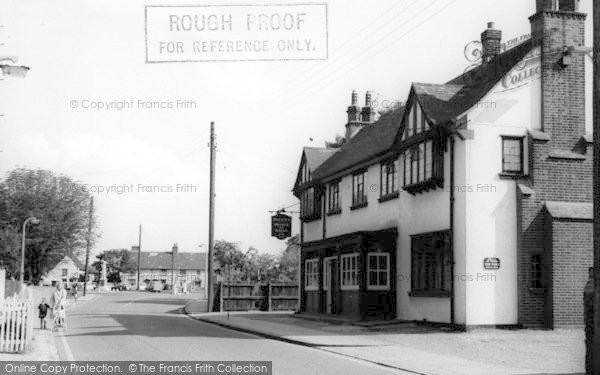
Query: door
x=330, y=284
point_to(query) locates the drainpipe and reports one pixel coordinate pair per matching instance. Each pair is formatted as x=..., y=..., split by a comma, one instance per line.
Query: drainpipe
x=452, y=229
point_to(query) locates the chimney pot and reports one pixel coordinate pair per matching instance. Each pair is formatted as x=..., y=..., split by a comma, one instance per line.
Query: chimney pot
x=491, y=41
x=354, y=97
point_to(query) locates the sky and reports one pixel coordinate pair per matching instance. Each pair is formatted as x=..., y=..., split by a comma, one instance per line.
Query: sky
x=264, y=111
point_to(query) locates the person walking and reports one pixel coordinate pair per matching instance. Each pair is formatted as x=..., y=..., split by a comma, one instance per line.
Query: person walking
x=58, y=302
x=74, y=291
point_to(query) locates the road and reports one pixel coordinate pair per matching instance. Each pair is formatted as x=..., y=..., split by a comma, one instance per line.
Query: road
x=146, y=326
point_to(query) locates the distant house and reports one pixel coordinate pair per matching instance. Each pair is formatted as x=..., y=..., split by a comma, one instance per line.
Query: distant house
x=190, y=269
x=69, y=269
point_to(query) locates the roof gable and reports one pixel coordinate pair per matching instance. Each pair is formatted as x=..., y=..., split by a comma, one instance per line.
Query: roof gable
x=371, y=141
x=312, y=158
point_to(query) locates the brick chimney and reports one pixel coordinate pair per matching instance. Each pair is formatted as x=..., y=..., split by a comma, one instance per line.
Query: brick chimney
x=354, y=117
x=556, y=26
x=491, y=41
x=367, y=114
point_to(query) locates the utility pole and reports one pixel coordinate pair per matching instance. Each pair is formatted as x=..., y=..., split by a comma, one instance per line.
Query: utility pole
x=88, y=240
x=139, y=257
x=595, y=349
x=211, y=218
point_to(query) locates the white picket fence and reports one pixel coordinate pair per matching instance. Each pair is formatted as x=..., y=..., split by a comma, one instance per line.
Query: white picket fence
x=16, y=324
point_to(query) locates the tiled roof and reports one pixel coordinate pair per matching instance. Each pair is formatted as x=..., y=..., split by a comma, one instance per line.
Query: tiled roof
x=183, y=261
x=570, y=210
x=317, y=156
x=371, y=141
x=441, y=103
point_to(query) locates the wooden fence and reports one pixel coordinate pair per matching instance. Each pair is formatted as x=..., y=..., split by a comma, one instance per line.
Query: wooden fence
x=258, y=297
x=16, y=325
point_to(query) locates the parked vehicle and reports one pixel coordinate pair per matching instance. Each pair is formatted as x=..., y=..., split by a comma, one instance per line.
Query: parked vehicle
x=120, y=287
x=155, y=286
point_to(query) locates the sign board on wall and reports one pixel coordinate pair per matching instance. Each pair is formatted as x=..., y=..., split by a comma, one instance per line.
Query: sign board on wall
x=281, y=226
x=491, y=263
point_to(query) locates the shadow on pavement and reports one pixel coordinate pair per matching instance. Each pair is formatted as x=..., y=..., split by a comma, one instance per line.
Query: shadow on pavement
x=153, y=326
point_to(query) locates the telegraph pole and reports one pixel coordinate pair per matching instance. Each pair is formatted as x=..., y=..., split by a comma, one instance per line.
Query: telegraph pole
x=87, y=244
x=211, y=218
x=139, y=257
x=595, y=347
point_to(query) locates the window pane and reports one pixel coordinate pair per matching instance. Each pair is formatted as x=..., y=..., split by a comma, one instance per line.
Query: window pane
x=383, y=278
x=421, y=162
x=511, y=155
x=428, y=159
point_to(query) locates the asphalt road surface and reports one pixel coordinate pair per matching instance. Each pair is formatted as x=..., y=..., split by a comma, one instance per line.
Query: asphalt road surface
x=142, y=326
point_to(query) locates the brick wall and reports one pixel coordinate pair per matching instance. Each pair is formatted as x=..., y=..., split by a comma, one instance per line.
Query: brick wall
x=560, y=170
x=572, y=258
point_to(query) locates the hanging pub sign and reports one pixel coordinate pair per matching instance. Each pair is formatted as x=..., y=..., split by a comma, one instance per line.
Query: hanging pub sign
x=281, y=226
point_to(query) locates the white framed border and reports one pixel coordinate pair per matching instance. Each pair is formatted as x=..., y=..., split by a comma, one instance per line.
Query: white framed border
x=306, y=286
x=349, y=287
x=378, y=287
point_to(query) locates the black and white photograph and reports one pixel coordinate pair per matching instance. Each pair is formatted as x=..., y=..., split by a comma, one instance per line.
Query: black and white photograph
x=299, y=187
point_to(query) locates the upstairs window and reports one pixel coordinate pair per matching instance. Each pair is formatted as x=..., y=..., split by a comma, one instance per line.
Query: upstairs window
x=310, y=205
x=333, y=199
x=359, y=197
x=512, y=155
x=389, y=180
x=423, y=166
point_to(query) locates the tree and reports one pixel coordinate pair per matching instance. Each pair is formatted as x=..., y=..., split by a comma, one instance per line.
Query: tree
x=289, y=260
x=337, y=143
x=61, y=204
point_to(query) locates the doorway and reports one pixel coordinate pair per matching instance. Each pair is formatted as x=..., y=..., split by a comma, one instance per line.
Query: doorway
x=331, y=284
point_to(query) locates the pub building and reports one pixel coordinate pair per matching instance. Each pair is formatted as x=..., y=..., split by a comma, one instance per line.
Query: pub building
x=471, y=205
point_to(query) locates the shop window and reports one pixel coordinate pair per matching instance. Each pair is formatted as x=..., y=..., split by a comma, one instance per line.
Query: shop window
x=349, y=271
x=311, y=274
x=430, y=265
x=378, y=271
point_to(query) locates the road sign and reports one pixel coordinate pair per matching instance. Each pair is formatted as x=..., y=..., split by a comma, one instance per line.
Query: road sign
x=281, y=226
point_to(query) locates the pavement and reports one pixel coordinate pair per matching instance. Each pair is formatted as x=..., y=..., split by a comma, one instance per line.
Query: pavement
x=152, y=327
x=417, y=349
x=43, y=346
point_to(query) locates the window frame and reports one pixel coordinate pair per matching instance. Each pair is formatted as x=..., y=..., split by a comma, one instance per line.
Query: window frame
x=536, y=269
x=421, y=280
x=520, y=139
x=344, y=272
x=386, y=179
x=378, y=270
x=334, y=206
x=313, y=276
x=359, y=179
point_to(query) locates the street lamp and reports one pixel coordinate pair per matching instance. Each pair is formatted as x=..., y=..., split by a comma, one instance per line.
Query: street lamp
x=173, y=254
x=32, y=220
